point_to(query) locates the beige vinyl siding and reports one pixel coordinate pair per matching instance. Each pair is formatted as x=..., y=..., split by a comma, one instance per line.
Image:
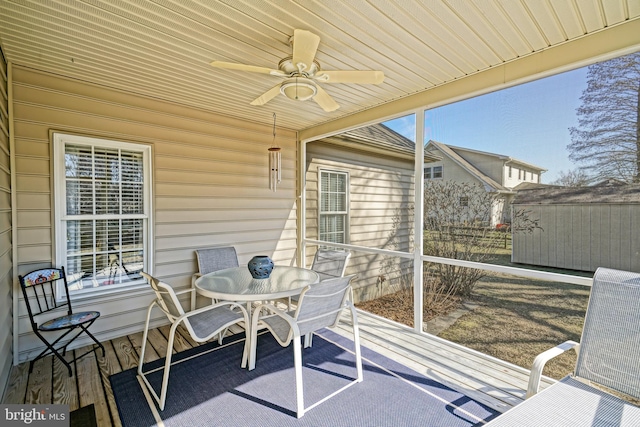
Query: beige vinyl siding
x=452, y=170
x=581, y=237
x=379, y=186
x=488, y=165
x=6, y=247
x=209, y=187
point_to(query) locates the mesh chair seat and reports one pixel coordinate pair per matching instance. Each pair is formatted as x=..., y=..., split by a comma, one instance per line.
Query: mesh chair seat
x=213, y=320
x=69, y=321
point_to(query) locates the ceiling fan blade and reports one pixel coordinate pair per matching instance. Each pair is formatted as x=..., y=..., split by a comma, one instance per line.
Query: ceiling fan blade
x=363, y=77
x=325, y=100
x=305, y=45
x=267, y=96
x=243, y=67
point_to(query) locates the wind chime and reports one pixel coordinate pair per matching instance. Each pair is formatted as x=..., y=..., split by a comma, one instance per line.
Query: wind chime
x=275, y=161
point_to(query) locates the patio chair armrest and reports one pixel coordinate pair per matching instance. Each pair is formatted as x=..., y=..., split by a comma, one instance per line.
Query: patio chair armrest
x=273, y=310
x=184, y=291
x=541, y=360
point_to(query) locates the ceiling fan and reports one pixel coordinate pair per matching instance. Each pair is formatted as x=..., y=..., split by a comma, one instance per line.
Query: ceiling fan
x=302, y=72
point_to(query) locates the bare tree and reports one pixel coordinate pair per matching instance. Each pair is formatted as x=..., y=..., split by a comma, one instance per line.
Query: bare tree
x=572, y=178
x=456, y=226
x=607, y=139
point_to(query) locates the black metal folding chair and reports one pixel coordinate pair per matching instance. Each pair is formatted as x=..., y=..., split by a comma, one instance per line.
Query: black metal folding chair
x=39, y=288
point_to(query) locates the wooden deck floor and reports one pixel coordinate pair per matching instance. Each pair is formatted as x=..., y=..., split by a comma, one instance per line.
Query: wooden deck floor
x=495, y=384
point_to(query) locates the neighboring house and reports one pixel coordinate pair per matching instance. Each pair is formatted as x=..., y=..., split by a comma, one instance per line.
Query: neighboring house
x=495, y=172
x=364, y=178
x=582, y=228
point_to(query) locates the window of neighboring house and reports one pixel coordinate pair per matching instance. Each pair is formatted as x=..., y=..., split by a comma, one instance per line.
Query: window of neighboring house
x=427, y=173
x=510, y=171
x=334, y=206
x=519, y=173
x=464, y=201
x=437, y=172
x=102, y=212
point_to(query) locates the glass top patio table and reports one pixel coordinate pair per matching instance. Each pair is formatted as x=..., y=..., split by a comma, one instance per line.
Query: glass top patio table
x=236, y=284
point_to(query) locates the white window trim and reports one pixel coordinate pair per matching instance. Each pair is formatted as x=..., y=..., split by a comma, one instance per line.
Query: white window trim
x=60, y=216
x=347, y=213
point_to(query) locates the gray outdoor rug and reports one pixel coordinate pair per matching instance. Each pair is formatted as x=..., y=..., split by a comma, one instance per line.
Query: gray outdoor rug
x=212, y=390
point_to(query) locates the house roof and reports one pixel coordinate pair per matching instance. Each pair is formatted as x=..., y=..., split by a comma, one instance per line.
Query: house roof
x=378, y=138
x=453, y=155
x=504, y=158
x=602, y=193
x=163, y=49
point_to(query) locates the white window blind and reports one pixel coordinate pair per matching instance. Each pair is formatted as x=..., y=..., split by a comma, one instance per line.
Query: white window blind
x=333, y=206
x=103, y=221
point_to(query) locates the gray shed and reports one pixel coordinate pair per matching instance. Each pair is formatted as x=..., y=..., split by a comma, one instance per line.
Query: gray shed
x=583, y=228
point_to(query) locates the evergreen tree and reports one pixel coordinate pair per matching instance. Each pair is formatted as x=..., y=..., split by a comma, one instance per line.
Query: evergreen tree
x=606, y=142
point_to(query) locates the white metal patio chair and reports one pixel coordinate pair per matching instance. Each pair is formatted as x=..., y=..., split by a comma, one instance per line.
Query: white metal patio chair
x=328, y=264
x=320, y=306
x=608, y=358
x=202, y=324
x=212, y=259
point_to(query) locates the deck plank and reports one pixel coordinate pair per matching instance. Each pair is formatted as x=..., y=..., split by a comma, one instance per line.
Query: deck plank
x=39, y=385
x=125, y=353
x=108, y=366
x=159, y=343
x=18, y=379
x=91, y=392
x=65, y=390
x=150, y=353
x=180, y=342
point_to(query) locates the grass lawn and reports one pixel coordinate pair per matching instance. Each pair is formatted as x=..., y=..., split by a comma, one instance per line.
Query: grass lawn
x=519, y=318
x=516, y=318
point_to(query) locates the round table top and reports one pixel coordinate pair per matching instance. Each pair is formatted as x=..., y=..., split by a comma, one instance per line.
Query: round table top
x=236, y=284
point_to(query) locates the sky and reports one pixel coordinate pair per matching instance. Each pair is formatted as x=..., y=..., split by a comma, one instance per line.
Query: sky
x=529, y=122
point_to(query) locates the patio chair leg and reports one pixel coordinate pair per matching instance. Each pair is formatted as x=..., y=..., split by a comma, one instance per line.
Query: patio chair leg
x=356, y=341
x=308, y=340
x=297, y=362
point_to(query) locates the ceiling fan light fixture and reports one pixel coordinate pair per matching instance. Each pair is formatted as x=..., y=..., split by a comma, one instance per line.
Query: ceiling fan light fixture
x=298, y=89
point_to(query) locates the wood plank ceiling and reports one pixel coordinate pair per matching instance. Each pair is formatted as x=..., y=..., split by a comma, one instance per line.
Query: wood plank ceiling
x=162, y=48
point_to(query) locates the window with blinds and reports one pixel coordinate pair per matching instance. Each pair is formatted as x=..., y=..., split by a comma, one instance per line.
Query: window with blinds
x=334, y=206
x=102, y=218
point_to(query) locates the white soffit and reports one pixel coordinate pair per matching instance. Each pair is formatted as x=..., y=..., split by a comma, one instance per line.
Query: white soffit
x=163, y=48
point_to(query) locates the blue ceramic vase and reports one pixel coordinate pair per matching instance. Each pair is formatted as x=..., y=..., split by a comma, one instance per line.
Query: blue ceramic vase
x=260, y=267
